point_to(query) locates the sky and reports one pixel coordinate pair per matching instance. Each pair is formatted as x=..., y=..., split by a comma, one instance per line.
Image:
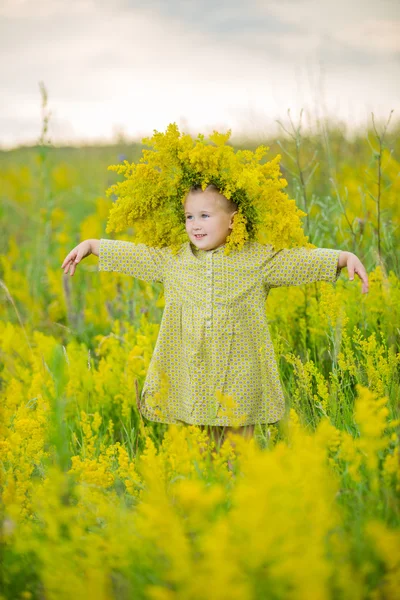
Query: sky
x=128, y=67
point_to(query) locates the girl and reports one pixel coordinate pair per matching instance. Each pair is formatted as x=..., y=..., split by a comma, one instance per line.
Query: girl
x=213, y=364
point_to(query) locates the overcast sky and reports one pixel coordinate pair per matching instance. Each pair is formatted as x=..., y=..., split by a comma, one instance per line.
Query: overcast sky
x=130, y=66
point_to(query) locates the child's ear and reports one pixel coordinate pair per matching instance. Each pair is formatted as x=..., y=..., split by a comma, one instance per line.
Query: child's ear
x=231, y=223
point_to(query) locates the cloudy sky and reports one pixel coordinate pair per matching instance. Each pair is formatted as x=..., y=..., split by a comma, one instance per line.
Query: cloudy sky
x=131, y=66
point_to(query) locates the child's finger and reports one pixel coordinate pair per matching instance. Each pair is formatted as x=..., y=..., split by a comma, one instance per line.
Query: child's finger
x=364, y=278
x=360, y=271
x=68, y=258
x=350, y=270
x=67, y=267
x=73, y=267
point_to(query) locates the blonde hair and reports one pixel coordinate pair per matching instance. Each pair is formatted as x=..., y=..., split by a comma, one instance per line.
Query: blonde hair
x=225, y=203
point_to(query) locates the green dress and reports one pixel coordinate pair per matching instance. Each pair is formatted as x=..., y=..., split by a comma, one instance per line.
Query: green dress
x=214, y=362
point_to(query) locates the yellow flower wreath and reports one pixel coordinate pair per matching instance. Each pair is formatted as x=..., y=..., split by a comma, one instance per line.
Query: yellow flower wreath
x=150, y=198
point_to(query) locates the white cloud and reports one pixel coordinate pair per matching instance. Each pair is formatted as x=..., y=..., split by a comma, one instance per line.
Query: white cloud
x=374, y=35
x=39, y=9
x=361, y=23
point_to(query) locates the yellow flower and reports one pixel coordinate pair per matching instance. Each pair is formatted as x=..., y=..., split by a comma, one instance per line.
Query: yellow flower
x=152, y=195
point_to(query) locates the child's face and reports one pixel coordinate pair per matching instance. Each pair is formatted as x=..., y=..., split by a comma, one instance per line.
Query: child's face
x=205, y=215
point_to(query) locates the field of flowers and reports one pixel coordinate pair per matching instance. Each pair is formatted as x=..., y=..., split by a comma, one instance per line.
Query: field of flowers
x=98, y=502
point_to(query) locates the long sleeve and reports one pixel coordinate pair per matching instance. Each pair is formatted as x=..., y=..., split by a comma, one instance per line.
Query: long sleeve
x=297, y=266
x=139, y=260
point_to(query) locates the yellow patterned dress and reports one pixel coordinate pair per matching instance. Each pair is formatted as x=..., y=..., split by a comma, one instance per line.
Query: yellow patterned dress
x=213, y=362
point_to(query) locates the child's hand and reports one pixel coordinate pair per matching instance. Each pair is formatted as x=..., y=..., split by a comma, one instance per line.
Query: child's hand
x=72, y=259
x=354, y=265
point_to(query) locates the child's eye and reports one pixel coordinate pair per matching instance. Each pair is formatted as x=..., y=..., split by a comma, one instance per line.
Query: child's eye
x=203, y=215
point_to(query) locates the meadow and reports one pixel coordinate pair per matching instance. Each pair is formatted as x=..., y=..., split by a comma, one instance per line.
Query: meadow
x=99, y=503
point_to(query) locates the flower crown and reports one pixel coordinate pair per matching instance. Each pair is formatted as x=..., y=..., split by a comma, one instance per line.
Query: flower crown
x=152, y=195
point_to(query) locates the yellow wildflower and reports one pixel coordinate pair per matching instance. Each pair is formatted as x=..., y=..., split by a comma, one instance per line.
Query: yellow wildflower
x=152, y=195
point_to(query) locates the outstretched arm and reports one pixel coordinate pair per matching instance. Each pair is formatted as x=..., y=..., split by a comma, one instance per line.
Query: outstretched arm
x=354, y=265
x=298, y=266
x=138, y=260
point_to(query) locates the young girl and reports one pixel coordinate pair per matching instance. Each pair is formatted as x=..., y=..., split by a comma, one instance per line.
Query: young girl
x=213, y=364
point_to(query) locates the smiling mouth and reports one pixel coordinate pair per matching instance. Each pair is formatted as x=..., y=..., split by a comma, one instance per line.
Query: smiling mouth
x=200, y=236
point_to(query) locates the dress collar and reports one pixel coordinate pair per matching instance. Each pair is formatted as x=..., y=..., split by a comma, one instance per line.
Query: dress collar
x=199, y=253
